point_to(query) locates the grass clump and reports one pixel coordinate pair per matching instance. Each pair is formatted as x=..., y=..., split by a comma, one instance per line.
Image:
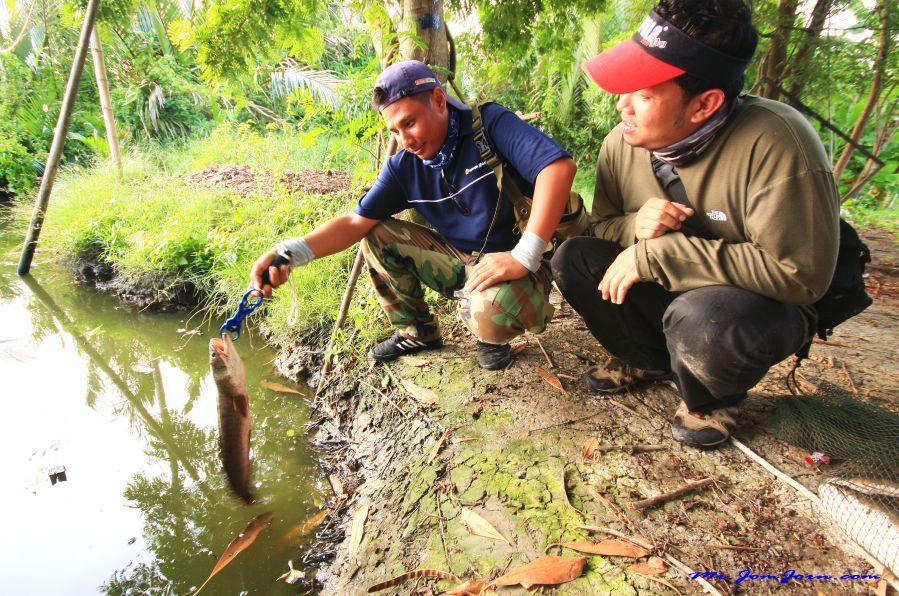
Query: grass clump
x=151, y=224
x=868, y=215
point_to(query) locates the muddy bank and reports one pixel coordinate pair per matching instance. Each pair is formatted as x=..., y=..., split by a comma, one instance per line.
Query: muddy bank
x=163, y=293
x=509, y=447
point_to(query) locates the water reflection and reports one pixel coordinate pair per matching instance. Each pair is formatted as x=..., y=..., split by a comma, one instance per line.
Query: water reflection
x=123, y=402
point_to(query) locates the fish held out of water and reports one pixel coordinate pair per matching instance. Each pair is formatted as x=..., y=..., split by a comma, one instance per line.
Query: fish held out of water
x=234, y=414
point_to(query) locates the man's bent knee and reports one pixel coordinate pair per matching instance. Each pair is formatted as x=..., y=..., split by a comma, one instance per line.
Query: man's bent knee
x=505, y=311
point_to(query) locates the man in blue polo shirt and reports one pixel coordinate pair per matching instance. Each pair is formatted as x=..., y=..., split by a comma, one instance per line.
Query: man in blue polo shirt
x=475, y=252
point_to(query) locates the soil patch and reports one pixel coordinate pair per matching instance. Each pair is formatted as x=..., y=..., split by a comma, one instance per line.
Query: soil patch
x=508, y=446
x=163, y=293
x=246, y=181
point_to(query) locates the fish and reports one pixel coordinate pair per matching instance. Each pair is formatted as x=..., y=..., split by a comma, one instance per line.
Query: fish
x=240, y=543
x=234, y=414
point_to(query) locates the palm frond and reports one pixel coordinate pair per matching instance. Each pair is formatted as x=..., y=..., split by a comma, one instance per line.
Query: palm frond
x=290, y=76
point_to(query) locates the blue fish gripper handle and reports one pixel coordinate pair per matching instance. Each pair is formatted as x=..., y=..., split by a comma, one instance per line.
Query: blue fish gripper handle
x=233, y=324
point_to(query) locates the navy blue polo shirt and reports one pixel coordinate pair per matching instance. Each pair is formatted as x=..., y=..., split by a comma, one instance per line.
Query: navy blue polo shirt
x=460, y=201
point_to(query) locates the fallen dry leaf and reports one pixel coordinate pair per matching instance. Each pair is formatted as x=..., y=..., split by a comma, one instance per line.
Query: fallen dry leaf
x=357, y=529
x=654, y=566
x=292, y=576
x=425, y=396
x=240, y=543
x=472, y=587
x=279, y=387
x=409, y=575
x=297, y=532
x=337, y=487
x=440, y=442
x=479, y=526
x=589, y=447
x=519, y=348
x=612, y=547
x=545, y=571
x=550, y=378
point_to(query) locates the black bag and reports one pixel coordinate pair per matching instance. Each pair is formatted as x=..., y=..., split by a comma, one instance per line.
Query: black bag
x=846, y=295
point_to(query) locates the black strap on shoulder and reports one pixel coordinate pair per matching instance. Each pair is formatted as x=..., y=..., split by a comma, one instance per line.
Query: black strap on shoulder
x=674, y=188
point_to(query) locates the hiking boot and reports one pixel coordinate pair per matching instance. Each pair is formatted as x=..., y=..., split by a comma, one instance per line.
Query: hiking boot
x=493, y=356
x=399, y=345
x=704, y=431
x=615, y=376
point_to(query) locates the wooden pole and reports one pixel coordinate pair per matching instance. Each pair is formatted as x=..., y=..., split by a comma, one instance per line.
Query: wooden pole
x=105, y=103
x=59, y=139
x=347, y=294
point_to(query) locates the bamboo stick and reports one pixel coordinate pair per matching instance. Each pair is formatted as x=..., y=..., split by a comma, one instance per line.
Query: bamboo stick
x=112, y=137
x=59, y=139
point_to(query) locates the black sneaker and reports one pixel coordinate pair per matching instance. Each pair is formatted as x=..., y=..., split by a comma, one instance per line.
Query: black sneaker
x=399, y=345
x=493, y=356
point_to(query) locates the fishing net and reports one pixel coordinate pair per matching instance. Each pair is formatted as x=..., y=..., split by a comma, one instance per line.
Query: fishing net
x=859, y=445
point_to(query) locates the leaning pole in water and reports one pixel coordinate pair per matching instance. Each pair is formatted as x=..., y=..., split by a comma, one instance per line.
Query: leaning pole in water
x=59, y=139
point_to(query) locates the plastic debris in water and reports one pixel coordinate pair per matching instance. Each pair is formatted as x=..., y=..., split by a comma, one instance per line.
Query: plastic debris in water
x=57, y=474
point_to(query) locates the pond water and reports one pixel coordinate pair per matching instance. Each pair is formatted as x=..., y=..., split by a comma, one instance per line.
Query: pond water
x=112, y=481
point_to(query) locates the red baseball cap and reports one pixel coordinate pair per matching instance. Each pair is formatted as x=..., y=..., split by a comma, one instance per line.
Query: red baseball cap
x=659, y=52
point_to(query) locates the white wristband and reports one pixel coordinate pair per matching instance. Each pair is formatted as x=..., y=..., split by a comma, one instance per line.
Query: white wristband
x=529, y=251
x=298, y=249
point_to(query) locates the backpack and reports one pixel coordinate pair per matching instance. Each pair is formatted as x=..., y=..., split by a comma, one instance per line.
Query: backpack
x=845, y=296
x=574, y=219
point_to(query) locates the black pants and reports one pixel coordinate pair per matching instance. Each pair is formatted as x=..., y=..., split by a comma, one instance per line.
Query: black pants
x=719, y=341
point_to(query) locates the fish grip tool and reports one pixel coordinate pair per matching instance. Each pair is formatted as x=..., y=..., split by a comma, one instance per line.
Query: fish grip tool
x=245, y=307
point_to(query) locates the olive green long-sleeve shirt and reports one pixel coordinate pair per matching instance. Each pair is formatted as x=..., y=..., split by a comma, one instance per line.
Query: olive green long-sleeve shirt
x=765, y=189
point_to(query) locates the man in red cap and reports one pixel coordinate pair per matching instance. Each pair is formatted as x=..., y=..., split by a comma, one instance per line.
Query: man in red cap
x=715, y=220
x=476, y=251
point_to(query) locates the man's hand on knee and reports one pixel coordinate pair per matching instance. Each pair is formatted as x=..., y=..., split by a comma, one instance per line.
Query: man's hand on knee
x=492, y=269
x=659, y=216
x=620, y=276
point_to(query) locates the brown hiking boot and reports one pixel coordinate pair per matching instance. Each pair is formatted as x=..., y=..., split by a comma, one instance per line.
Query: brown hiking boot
x=615, y=376
x=704, y=431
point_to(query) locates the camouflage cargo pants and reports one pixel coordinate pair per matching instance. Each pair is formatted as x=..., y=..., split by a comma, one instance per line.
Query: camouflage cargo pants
x=401, y=256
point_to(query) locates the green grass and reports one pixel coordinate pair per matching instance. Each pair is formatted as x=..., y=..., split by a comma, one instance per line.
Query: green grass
x=150, y=224
x=873, y=216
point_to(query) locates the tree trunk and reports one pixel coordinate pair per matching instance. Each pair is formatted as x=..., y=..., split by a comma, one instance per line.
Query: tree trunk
x=887, y=126
x=423, y=34
x=873, y=94
x=422, y=23
x=773, y=65
x=105, y=104
x=809, y=41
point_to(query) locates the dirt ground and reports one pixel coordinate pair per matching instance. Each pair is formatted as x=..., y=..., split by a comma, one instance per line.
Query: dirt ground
x=245, y=181
x=508, y=446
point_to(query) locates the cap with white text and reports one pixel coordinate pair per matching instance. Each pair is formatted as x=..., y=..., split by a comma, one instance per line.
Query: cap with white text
x=409, y=77
x=659, y=52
